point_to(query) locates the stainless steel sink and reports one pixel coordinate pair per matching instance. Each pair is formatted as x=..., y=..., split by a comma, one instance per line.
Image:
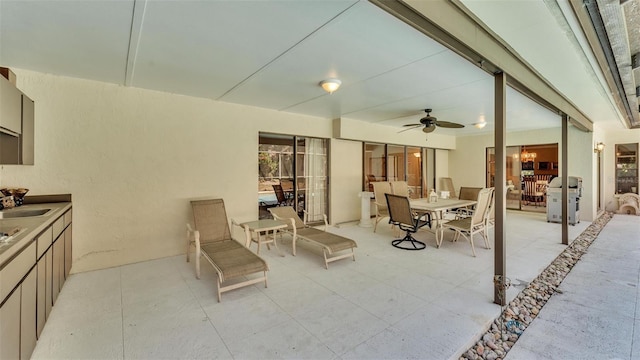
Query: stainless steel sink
x=18, y=213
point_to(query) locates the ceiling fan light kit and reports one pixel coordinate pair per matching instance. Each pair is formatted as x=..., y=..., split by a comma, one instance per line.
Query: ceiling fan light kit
x=430, y=122
x=480, y=125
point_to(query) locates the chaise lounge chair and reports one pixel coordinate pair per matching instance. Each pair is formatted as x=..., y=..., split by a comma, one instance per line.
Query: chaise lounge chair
x=212, y=240
x=330, y=243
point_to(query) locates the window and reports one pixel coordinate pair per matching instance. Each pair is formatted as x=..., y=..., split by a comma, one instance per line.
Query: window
x=626, y=168
x=375, y=168
x=384, y=162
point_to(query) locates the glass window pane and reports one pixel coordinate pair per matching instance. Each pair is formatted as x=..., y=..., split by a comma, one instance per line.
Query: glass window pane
x=374, y=164
x=395, y=163
x=414, y=171
x=312, y=181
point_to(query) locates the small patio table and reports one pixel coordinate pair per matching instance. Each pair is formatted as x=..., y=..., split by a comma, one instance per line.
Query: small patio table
x=263, y=226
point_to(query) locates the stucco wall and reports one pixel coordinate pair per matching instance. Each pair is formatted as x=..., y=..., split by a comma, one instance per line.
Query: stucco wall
x=132, y=159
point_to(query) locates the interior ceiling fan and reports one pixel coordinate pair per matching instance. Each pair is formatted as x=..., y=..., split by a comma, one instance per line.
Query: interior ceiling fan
x=430, y=122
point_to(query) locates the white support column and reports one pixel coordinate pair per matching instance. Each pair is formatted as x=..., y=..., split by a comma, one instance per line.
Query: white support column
x=365, y=208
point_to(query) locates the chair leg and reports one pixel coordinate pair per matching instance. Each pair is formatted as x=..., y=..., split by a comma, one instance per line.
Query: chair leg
x=353, y=254
x=486, y=239
x=188, y=245
x=470, y=238
x=197, y=262
x=293, y=244
x=326, y=263
x=416, y=244
x=219, y=292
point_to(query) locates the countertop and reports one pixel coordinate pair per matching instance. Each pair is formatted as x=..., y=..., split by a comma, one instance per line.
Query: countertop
x=30, y=227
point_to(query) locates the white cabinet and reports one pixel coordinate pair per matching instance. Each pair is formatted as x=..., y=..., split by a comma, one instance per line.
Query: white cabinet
x=29, y=286
x=10, y=327
x=41, y=303
x=10, y=107
x=28, y=315
x=17, y=113
x=27, y=138
x=18, y=313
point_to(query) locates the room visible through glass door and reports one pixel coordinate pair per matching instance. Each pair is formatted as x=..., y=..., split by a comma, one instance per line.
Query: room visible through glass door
x=299, y=181
x=513, y=184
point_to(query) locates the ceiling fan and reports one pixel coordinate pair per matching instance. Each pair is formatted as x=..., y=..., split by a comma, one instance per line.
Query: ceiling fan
x=430, y=122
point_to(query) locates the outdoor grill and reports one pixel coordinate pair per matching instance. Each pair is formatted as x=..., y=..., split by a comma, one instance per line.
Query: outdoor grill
x=554, y=200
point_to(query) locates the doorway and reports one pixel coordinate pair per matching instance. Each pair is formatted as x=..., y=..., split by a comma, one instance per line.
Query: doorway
x=529, y=169
x=299, y=181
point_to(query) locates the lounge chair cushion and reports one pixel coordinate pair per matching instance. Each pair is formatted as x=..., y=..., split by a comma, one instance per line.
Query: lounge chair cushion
x=233, y=259
x=332, y=242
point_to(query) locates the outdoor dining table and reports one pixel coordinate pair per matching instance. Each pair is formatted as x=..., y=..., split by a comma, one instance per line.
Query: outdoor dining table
x=438, y=209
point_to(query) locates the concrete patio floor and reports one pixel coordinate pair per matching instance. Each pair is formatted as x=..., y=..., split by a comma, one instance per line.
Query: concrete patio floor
x=389, y=303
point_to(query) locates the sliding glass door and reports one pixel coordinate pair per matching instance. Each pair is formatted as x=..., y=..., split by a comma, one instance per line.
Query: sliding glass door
x=529, y=168
x=311, y=174
x=303, y=178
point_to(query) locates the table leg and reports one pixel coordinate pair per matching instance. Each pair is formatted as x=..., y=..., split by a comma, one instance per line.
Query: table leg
x=259, y=241
x=247, y=234
x=439, y=228
x=275, y=242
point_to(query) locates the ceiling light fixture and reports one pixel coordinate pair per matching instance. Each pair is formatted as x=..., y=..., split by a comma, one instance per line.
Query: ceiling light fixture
x=480, y=125
x=330, y=85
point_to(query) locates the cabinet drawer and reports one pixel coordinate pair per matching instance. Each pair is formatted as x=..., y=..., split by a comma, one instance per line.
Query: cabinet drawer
x=44, y=241
x=16, y=269
x=58, y=226
x=67, y=218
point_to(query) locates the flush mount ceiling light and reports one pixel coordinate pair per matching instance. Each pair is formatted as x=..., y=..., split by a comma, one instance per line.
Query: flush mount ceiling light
x=330, y=85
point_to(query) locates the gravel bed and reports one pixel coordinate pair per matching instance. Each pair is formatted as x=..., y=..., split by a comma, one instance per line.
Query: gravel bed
x=520, y=312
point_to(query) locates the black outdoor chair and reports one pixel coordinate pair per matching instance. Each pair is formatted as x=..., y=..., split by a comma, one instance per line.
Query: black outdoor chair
x=400, y=214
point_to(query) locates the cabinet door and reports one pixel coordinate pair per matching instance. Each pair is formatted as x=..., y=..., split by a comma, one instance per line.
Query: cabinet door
x=68, y=253
x=58, y=257
x=41, y=307
x=63, y=252
x=26, y=140
x=10, y=106
x=10, y=327
x=49, y=282
x=28, y=315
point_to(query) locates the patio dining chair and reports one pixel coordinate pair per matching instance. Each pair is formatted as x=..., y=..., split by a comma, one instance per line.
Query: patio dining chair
x=380, y=188
x=474, y=224
x=400, y=214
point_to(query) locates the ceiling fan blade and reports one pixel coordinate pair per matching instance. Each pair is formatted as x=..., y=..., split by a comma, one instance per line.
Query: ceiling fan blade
x=410, y=127
x=450, y=125
x=428, y=129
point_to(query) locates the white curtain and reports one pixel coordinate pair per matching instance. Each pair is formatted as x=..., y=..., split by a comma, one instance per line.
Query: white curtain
x=315, y=168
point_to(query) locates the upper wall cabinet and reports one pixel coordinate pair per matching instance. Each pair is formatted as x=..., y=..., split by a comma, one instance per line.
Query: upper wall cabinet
x=10, y=108
x=16, y=126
